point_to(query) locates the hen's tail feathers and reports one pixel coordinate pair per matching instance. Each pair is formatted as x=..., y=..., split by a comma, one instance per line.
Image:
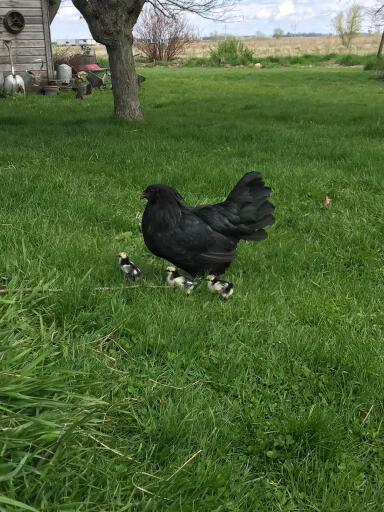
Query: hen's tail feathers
x=250, y=197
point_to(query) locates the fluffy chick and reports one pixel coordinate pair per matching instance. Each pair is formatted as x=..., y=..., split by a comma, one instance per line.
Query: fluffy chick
x=128, y=268
x=174, y=278
x=223, y=288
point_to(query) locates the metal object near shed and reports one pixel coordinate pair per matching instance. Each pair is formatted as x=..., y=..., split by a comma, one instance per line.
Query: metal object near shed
x=14, y=22
x=64, y=73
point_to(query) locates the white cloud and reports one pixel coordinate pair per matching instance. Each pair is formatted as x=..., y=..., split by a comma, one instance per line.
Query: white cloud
x=264, y=14
x=305, y=12
x=342, y=5
x=286, y=9
x=251, y=16
x=252, y=11
x=68, y=13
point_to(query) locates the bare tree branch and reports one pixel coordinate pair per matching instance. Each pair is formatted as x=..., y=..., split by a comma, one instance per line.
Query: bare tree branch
x=377, y=18
x=208, y=9
x=376, y=14
x=156, y=6
x=161, y=37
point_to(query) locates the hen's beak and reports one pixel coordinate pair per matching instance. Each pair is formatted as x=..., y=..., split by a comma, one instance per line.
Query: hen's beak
x=144, y=195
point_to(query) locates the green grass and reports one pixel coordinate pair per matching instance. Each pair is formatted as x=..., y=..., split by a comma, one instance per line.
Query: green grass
x=279, y=392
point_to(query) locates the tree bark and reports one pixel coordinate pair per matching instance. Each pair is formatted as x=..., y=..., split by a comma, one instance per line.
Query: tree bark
x=111, y=23
x=53, y=7
x=380, y=50
x=124, y=79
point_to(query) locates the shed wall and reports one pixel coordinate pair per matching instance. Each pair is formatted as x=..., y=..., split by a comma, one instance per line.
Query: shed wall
x=32, y=43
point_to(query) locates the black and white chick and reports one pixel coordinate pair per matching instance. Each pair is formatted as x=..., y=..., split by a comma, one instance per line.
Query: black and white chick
x=128, y=268
x=223, y=288
x=174, y=279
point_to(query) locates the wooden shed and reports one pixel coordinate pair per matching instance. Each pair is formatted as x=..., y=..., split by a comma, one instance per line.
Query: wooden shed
x=26, y=24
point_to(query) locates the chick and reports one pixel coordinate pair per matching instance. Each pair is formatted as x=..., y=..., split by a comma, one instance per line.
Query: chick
x=175, y=279
x=128, y=268
x=223, y=288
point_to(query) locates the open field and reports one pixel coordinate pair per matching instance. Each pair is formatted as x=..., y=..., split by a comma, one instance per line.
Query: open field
x=269, y=46
x=145, y=400
x=283, y=46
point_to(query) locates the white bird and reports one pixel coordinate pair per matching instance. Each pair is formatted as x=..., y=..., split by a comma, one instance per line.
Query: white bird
x=128, y=268
x=174, y=278
x=223, y=288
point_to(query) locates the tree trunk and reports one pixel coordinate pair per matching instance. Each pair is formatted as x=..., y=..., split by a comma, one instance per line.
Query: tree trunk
x=53, y=7
x=124, y=79
x=380, y=50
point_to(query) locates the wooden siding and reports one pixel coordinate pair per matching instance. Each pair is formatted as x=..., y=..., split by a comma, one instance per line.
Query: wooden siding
x=22, y=4
x=31, y=48
x=22, y=52
x=25, y=12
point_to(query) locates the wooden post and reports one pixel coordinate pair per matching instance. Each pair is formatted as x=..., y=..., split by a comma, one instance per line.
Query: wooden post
x=380, y=50
x=47, y=40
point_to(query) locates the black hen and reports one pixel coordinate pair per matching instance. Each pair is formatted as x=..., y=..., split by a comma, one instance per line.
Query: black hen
x=203, y=240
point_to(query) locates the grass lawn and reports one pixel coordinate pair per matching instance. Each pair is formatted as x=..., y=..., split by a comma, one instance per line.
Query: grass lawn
x=146, y=400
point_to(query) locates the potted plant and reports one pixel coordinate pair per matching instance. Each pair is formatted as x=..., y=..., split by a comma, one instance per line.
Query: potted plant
x=81, y=84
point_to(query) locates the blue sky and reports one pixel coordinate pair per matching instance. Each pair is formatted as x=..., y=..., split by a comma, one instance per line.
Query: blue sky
x=249, y=16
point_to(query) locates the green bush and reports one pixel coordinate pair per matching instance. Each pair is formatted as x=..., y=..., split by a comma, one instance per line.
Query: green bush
x=374, y=63
x=309, y=59
x=231, y=51
x=350, y=59
x=197, y=62
x=330, y=56
x=312, y=58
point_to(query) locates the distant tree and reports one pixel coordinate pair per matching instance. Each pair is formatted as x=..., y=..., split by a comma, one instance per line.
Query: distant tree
x=278, y=32
x=162, y=37
x=348, y=25
x=259, y=34
x=377, y=17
